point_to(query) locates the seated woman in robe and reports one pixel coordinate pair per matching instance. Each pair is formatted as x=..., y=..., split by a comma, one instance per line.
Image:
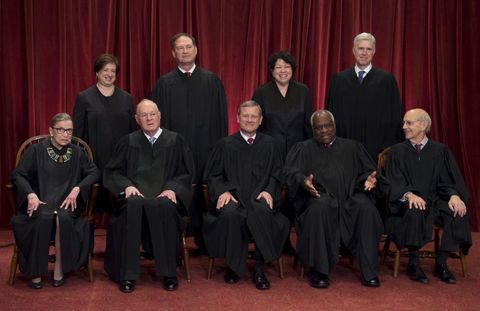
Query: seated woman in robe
x=53, y=181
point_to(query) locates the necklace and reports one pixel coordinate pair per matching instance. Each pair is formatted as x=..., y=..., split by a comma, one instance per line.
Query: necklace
x=60, y=158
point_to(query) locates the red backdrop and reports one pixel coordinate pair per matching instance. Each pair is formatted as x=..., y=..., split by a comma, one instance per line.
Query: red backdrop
x=47, y=50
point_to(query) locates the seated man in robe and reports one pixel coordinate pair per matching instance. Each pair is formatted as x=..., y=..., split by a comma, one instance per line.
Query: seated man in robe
x=332, y=182
x=427, y=188
x=151, y=173
x=244, y=176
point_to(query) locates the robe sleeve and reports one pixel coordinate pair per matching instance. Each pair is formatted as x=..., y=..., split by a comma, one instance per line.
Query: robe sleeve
x=79, y=117
x=451, y=180
x=295, y=176
x=90, y=175
x=307, y=113
x=25, y=174
x=115, y=175
x=222, y=109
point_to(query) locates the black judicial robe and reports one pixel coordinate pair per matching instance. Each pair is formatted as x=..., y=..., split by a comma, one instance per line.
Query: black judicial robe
x=432, y=174
x=245, y=170
x=101, y=121
x=369, y=112
x=52, y=182
x=286, y=119
x=339, y=173
x=167, y=165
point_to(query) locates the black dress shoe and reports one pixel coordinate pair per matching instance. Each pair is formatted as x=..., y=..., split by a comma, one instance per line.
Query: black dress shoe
x=58, y=283
x=261, y=281
x=415, y=273
x=127, y=286
x=230, y=277
x=444, y=274
x=170, y=283
x=35, y=285
x=318, y=280
x=374, y=282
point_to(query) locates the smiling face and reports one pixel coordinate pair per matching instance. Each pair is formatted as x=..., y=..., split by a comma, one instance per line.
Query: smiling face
x=249, y=119
x=323, y=127
x=107, y=75
x=148, y=117
x=414, y=126
x=61, y=133
x=363, y=52
x=184, y=52
x=282, y=72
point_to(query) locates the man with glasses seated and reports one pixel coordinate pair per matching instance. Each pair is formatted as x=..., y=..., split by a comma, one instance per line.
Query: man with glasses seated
x=150, y=173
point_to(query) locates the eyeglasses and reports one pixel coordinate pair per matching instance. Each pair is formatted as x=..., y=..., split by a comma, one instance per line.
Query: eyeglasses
x=61, y=130
x=146, y=115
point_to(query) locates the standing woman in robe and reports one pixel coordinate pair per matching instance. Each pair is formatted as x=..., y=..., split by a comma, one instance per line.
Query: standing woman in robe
x=103, y=114
x=53, y=180
x=286, y=107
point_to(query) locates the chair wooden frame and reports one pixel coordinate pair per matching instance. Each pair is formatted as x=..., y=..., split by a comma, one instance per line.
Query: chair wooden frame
x=211, y=260
x=88, y=213
x=397, y=253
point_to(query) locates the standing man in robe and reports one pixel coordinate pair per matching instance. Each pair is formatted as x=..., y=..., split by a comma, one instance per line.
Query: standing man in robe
x=194, y=104
x=365, y=100
x=151, y=173
x=333, y=184
x=244, y=178
x=427, y=188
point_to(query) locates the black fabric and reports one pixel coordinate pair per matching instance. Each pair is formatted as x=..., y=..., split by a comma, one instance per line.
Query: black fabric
x=52, y=182
x=167, y=165
x=369, y=112
x=433, y=175
x=344, y=212
x=244, y=170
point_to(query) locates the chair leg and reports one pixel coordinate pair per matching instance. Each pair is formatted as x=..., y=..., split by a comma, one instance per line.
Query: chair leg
x=386, y=249
x=211, y=263
x=90, y=268
x=302, y=270
x=396, y=264
x=13, y=266
x=186, y=257
x=463, y=262
x=280, y=267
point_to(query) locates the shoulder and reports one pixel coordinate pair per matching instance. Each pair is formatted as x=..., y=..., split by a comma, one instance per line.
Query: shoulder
x=344, y=73
x=122, y=93
x=379, y=72
x=206, y=73
x=90, y=91
x=299, y=85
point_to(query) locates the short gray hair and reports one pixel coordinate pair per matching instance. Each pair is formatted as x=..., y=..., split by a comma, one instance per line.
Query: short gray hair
x=249, y=103
x=364, y=36
x=319, y=112
x=59, y=117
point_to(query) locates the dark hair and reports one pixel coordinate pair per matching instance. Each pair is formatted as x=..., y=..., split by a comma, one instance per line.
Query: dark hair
x=60, y=117
x=103, y=60
x=285, y=56
x=181, y=34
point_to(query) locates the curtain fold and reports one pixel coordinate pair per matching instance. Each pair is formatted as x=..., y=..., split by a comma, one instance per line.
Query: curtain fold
x=47, y=49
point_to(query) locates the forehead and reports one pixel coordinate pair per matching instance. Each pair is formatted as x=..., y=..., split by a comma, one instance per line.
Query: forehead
x=411, y=116
x=109, y=66
x=183, y=40
x=322, y=119
x=146, y=107
x=281, y=61
x=250, y=110
x=364, y=44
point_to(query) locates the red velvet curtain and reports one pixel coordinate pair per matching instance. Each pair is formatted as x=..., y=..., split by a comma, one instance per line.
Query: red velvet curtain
x=47, y=50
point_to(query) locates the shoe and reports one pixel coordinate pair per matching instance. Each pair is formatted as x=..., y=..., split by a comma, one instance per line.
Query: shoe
x=170, y=283
x=374, y=282
x=230, y=277
x=444, y=274
x=261, y=281
x=35, y=285
x=127, y=286
x=58, y=283
x=415, y=273
x=318, y=280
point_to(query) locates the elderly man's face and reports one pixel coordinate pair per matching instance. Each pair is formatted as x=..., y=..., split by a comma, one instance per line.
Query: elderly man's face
x=323, y=127
x=363, y=52
x=184, y=52
x=414, y=129
x=148, y=117
x=249, y=119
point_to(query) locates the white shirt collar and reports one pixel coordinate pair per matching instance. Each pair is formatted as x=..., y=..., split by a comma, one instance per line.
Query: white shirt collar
x=367, y=69
x=191, y=69
x=247, y=137
x=157, y=134
x=423, y=142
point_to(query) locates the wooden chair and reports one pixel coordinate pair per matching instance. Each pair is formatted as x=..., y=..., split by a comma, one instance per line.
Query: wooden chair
x=424, y=253
x=87, y=213
x=211, y=260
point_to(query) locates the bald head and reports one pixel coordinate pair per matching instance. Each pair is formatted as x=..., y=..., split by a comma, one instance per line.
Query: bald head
x=416, y=124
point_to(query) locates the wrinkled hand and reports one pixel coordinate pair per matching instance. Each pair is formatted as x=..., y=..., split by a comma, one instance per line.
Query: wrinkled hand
x=131, y=190
x=308, y=185
x=371, y=181
x=457, y=206
x=267, y=197
x=414, y=201
x=224, y=199
x=71, y=199
x=169, y=194
x=33, y=203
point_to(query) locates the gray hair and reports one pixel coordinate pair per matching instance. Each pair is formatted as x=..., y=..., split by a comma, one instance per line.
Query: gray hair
x=249, y=103
x=59, y=117
x=364, y=36
x=320, y=112
x=426, y=117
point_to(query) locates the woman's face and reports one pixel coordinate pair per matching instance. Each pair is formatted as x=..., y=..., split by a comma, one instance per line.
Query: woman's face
x=282, y=72
x=61, y=133
x=107, y=75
